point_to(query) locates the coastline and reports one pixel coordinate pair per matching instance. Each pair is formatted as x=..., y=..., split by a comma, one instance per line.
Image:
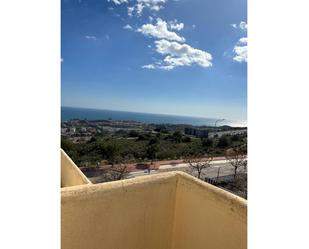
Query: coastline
x=68, y=113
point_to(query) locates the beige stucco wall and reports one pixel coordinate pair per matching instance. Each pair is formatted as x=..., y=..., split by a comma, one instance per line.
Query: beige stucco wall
x=128, y=214
x=70, y=173
x=163, y=211
x=208, y=217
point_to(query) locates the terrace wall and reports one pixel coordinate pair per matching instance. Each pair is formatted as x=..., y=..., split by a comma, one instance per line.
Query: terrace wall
x=208, y=217
x=70, y=173
x=131, y=214
x=164, y=211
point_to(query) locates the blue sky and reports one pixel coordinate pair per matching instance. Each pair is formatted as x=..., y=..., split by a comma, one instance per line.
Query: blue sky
x=184, y=57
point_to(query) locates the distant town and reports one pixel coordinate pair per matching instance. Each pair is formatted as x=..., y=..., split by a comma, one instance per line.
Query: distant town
x=81, y=131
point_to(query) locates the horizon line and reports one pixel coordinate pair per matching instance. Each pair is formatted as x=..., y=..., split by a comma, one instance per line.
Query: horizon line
x=166, y=114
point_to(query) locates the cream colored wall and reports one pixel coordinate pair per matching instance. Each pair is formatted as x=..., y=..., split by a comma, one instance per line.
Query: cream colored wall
x=129, y=214
x=70, y=173
x=163, y=211
x=208, y=217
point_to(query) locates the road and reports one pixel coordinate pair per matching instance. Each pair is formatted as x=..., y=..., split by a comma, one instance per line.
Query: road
x=222, y=166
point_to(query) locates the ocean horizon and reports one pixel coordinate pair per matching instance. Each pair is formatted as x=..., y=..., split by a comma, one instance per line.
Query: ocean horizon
x=68, y=113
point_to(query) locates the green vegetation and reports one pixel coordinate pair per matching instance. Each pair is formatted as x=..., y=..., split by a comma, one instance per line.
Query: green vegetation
x=140, y=146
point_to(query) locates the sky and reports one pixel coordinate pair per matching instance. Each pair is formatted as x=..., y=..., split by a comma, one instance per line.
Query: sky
x=183, y=57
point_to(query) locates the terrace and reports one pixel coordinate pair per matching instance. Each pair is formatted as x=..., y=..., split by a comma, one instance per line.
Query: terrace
x=163, y=211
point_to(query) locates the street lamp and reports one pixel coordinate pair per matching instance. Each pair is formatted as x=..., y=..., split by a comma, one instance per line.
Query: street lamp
x=218, y=121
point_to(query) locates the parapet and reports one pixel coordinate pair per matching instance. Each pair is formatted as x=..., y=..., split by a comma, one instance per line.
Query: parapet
x=163, y=211
x=71, y=175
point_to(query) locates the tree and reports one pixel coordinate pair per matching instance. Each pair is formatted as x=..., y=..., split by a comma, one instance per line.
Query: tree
x=177, y=136
x=186, y=139
x=245, y=165
x=161, y=128
x=66, y=144
x=237, y=158
x=112, y=153
x=235, y=138
x=118, y=172
x=208, y=142
x=198, y=163
x=71, y=149
x=115, y=172
x=223, y=142
x=133, y=133
x=152, y=149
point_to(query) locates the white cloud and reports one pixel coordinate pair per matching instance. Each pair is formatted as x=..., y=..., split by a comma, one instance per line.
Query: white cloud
x=117, y=2
x=128, y=26
x=160, y=31
x=155, y=5
x=242, y=25
x=175, y=25
x=243, y=40
x=150, y=66
x=178, y=54
x=130, y=11
x=139, y=8
x=90, y=37
x=241, y=51
x=140, y=5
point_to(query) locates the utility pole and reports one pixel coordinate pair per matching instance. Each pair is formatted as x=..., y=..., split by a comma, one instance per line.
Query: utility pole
x=218, y=121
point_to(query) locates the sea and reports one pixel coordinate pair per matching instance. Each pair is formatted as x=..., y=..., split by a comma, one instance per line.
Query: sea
x=68, y=113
